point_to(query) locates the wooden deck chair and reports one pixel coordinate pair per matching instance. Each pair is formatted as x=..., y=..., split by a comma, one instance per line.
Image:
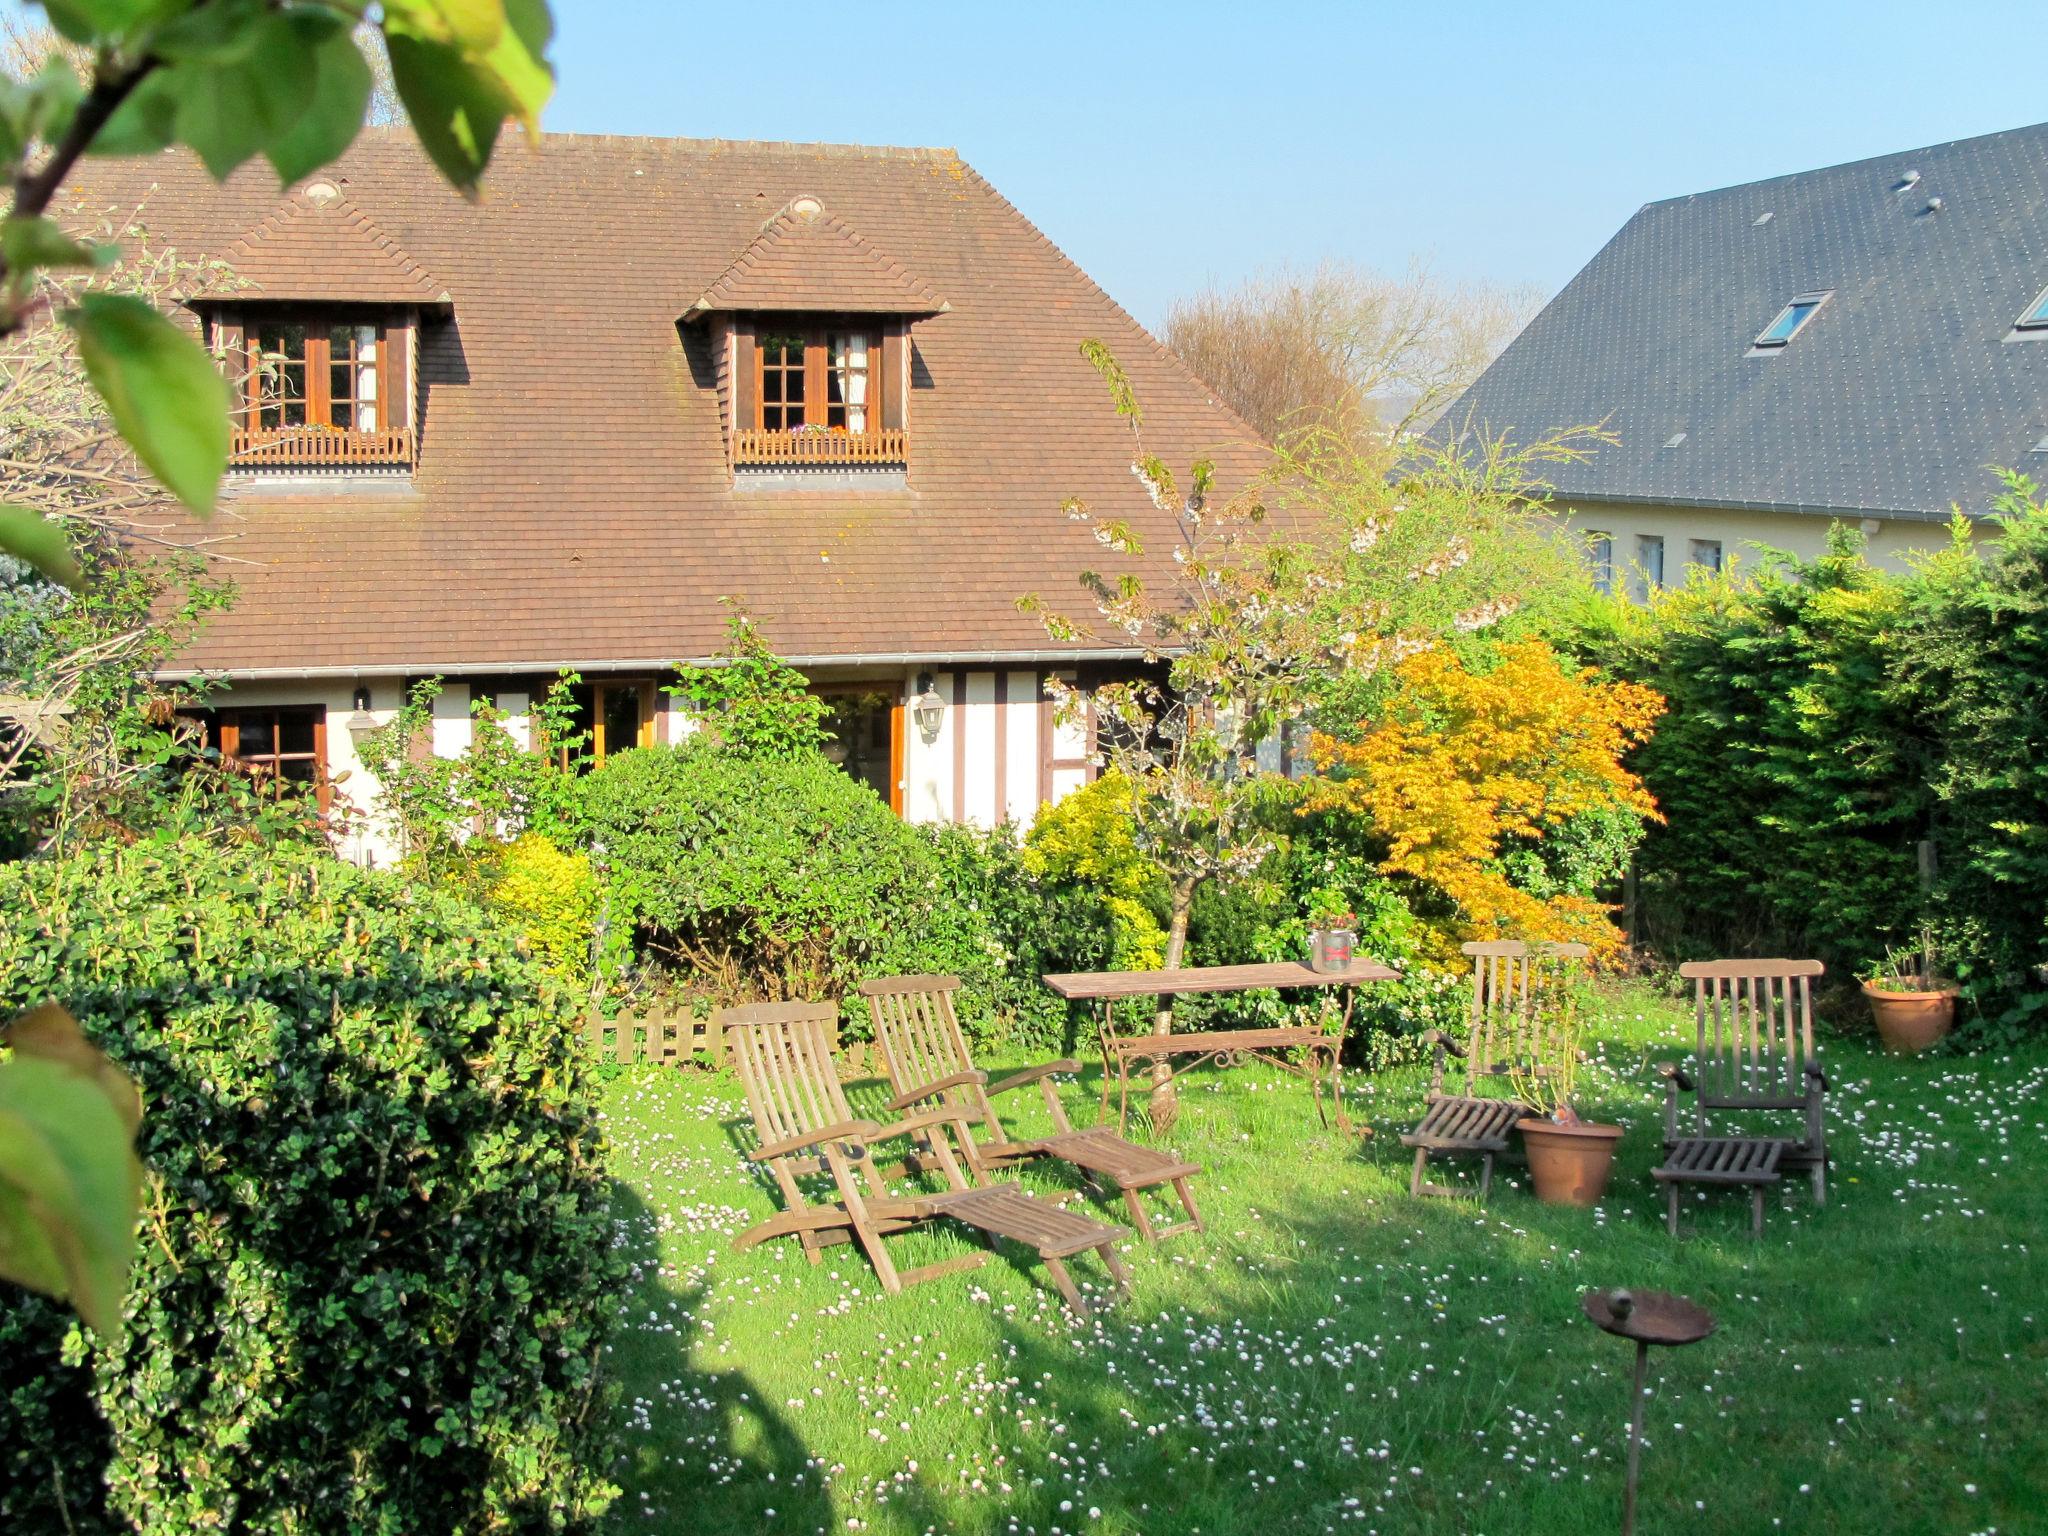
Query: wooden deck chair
x=927, y=1060
x=1754, y=1050
x=1500, y=1039
x=784, y=1055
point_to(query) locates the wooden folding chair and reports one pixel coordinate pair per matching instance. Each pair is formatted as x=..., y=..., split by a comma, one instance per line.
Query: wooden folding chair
x=1500, y=1040
x=784, y=1055
x=926, y=1057
x=1753, y=1022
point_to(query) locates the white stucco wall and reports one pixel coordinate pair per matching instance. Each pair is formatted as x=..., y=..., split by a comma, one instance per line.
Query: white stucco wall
x=1889, y=542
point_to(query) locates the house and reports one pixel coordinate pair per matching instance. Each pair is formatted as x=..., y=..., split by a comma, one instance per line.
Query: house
x=563, y=426
x=1860, y=344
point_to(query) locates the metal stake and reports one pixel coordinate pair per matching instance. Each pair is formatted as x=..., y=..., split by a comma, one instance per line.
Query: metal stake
x=1635, y=1441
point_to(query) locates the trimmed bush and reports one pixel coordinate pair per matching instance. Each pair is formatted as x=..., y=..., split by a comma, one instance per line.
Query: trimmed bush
x=376, y=1274
x=784, y=878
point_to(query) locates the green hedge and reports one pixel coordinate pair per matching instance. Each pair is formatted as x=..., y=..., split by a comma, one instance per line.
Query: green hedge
x=1826, y=717
x=375, y=1275
x=784, y=877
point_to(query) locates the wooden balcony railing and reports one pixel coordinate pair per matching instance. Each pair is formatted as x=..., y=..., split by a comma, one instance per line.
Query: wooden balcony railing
x=320, y=447
x=757, y=447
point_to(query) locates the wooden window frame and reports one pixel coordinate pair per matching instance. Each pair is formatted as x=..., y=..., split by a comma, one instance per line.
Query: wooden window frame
x=264, y=768
x=891, y=689
x=318, y=442
x=643, y=732
x=817, y=331
x=318, y=364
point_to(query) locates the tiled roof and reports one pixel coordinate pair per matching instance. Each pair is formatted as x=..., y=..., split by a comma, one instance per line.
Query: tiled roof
x=319, y=246
x=809, y=260
x=572, y=500
x=1895, y=398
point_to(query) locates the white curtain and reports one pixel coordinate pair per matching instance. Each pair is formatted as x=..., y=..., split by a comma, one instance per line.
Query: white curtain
x=366, y=378
x=850, y=361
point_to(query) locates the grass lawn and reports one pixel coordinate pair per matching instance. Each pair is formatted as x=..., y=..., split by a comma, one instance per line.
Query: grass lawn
x=1334, y=1356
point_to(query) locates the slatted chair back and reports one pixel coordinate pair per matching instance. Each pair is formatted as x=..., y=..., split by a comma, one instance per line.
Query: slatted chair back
x=1504, y=1020
x=918, y=1030
x=783, y=1053
x=1754, y=1023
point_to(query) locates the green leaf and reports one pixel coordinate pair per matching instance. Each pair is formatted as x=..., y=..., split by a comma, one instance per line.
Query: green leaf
x=474, y=26
x=28, y=535
x=458, y=99
x=70, y=1183
x=98, y=21
x=39, y=242
x=143, y=124
x=229, y=112
x=333, y=114
x=162, y=390
x=217, y=33
x=40, y=108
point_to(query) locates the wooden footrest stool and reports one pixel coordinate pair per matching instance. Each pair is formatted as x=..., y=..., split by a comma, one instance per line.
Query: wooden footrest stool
x=1131, y=1168
x=1735, y=1160
x=1456, y=1123
x=1005, y=1211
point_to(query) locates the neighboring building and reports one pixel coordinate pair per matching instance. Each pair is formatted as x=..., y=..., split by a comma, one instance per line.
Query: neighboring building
x=1860, y=344
x=559, y=426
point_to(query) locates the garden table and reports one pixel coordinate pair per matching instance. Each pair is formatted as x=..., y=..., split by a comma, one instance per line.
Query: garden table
x=1227, y=1047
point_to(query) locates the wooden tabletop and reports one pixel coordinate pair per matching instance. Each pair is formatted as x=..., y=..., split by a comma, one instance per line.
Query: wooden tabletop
x=1212, y=978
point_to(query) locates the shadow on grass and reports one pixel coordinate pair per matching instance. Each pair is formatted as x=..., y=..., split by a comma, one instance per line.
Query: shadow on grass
x=712, y=1432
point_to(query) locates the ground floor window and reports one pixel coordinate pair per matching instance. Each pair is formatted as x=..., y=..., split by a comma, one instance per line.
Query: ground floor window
x=866, y=726
x=280, y=744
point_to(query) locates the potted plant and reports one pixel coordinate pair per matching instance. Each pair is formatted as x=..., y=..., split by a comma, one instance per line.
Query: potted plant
x=1333, y=932
x=1913, y=1006
x=1569, y=1158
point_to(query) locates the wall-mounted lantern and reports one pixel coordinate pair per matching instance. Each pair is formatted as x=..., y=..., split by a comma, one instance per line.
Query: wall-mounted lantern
x=927, y=709
x=362, y=722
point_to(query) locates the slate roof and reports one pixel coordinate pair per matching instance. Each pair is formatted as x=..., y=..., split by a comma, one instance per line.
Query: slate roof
x=572, y=501
x=1894, y=398
x=814, y=261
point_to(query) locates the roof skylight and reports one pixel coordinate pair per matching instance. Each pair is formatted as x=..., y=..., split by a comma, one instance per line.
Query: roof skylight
x=1792, y=319
x=2035, y=316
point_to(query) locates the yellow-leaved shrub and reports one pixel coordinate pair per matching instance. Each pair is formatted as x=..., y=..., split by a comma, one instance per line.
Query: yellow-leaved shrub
x=1458, y=761
x=551, y=894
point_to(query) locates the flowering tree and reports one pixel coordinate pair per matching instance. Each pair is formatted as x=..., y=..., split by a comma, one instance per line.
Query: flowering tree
x=1339, y=561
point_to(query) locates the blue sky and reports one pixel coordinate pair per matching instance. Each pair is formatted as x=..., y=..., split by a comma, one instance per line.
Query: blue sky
x=1167, y=145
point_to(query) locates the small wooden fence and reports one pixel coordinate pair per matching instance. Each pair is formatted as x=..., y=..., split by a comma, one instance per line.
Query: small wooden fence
x=755, y=446
x=675, y=1039
x=319, y=447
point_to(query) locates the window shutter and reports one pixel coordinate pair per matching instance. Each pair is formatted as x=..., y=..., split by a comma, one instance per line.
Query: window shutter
x=397, y=368
x=232, y=347
x=746, y=375
x=893, y=375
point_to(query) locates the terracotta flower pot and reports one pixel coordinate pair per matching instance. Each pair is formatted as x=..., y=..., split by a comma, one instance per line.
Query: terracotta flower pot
x=1909, y=1022
x=1569, y=1164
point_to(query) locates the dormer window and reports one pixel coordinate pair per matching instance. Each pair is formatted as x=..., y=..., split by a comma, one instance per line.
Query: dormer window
x=820, y=395
x=314, y=315
x=318, y=389
x=2035, y=317
x=810, y=333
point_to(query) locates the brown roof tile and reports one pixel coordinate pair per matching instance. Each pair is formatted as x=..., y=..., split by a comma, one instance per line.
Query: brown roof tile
x=319, y=246
x=572, y=500
x=812, y=261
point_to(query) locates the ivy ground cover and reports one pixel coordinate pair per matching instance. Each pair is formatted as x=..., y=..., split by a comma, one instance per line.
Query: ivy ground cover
x=1332, y=1356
